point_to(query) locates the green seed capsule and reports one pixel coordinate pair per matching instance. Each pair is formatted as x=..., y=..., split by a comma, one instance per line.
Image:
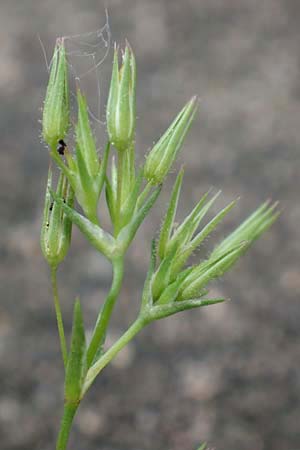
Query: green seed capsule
x=56, y=114
x=56, y=227
x=121, y=104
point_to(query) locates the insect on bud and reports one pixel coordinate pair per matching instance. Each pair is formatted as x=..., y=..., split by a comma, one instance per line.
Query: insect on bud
x=164, y=152
x=56, y=114
x=56, y=227
x=120, y=112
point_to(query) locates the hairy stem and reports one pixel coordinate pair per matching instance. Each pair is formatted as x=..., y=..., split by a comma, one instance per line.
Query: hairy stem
x=59, y=319
x=106, y=312
x=142, y=197
x=112, y=352
x=65, y=425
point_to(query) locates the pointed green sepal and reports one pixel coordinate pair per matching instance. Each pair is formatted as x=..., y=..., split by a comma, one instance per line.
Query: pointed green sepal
x=191, y=246
x=250, y=230
x=164, y=152
x=76, y=367
x=168, y=222
x=85, y=138
x=185, y=231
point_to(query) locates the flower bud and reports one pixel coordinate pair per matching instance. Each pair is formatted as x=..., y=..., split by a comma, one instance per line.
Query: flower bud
x=56, y=112
x=164, y=152
x=56, y=227
x=120, y=113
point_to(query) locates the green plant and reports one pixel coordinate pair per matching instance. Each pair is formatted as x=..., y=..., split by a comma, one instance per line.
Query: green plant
x=171, y=285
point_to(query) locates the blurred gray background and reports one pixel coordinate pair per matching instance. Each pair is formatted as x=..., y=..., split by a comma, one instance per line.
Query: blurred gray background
x=228, y=374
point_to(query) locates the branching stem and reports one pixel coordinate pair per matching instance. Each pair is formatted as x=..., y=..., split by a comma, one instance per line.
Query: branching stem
x=106, y=311
x=112, y=352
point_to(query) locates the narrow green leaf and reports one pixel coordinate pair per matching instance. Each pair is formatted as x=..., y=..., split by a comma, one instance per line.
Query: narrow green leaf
x=85, y=178
x=76, y=367
x=85, y=138
x=185, y=231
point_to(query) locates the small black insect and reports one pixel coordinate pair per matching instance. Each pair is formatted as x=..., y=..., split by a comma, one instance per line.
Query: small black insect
x=61, y=146
x=51, y=206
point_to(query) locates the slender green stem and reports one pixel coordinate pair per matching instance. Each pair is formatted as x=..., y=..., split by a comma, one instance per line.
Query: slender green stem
x=120, y=173
x=142, y=197
x=106, y=311
x=112, y=352
x=59, y=319
x=65, y=425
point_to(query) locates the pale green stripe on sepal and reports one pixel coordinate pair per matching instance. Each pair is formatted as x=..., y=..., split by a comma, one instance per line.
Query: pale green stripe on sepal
x=85, y=138
x=113, y=96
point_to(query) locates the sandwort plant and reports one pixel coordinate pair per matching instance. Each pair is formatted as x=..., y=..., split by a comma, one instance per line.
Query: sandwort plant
x=172, y=284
